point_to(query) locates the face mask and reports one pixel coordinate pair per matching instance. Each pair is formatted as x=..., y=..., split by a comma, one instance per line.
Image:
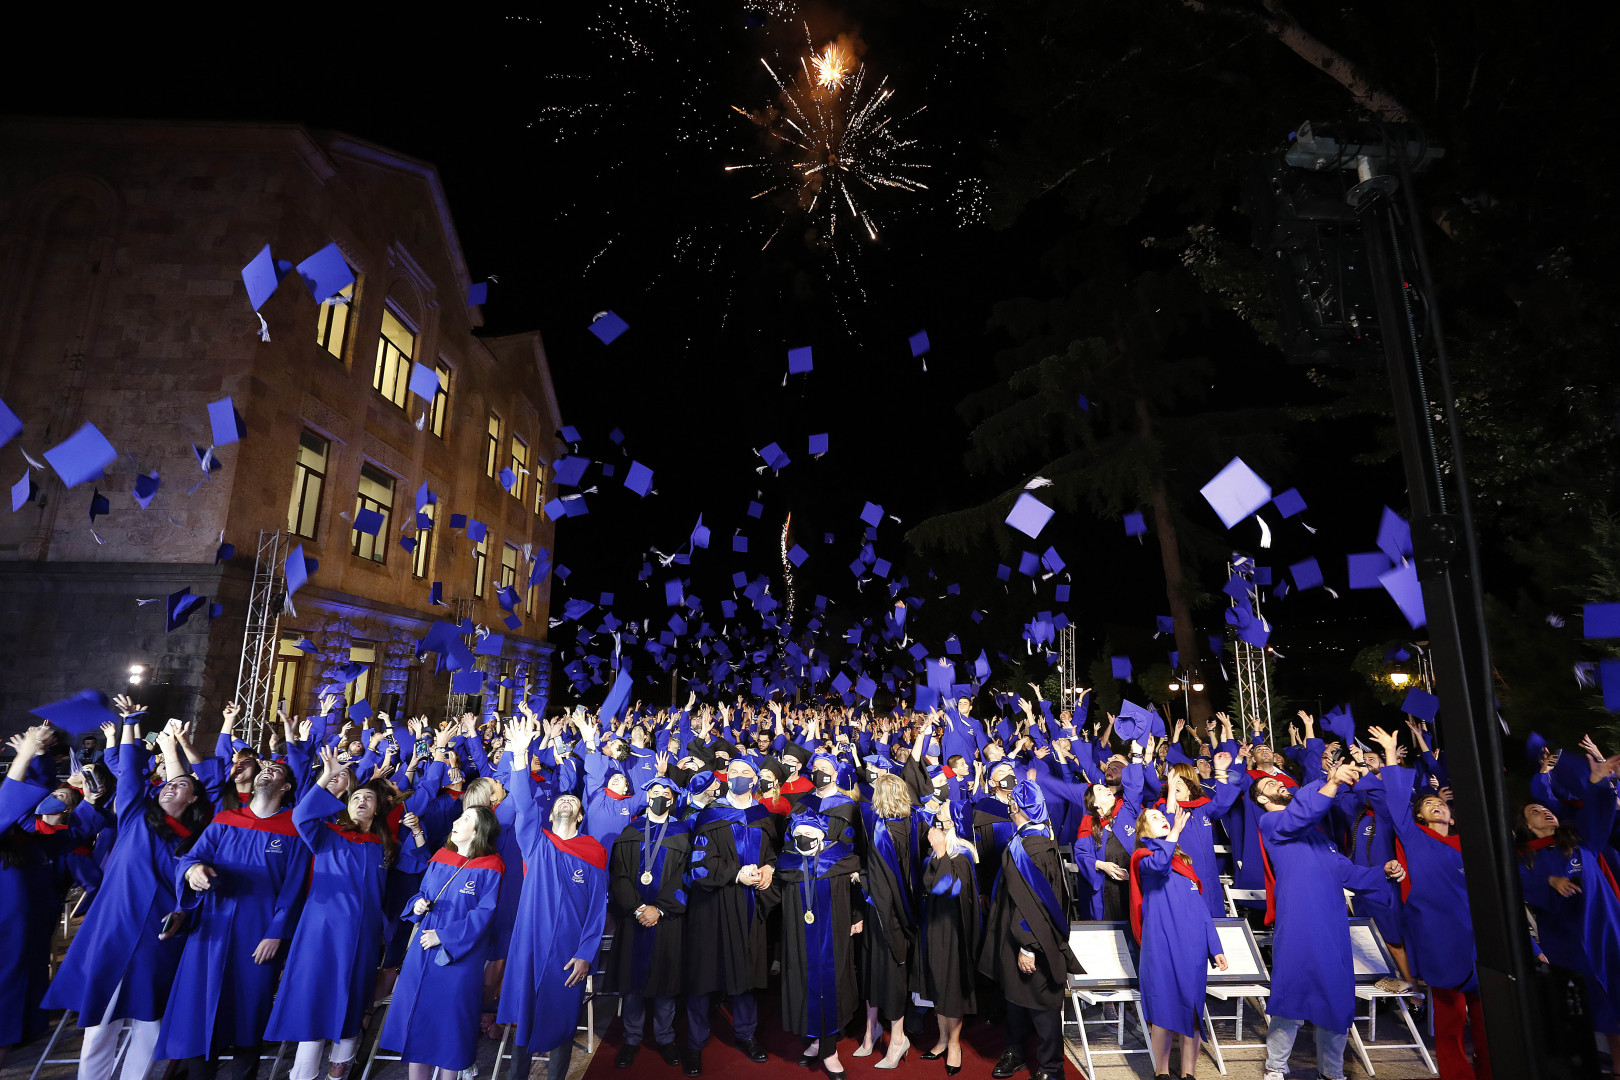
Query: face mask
x=1006, y=783
x=766, y=783
x=939, y=792
x=50, y=804
x=805, y=845
x=741, y=785
x=660, y=804
x=821, y=779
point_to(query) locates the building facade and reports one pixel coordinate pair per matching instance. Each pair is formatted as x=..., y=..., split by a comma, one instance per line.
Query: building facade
x=122, y=304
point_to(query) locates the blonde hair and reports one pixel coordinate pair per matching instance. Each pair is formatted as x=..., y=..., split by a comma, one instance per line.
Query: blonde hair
x=890, y=796
x=1189, y=775
x=483, y=791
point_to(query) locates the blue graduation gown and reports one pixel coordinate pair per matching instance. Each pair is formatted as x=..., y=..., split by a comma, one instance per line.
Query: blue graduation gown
x=560, y=917
x=1198, y=838
x=117, y=946
x=1435, y=892
x=1177, y=937
x=29, y=900
x=262, y=868
x=1313, y=978
x=434, y=1015
x=1244, y=827
x=1372, y=843
x=332, y=963
x=506, y=906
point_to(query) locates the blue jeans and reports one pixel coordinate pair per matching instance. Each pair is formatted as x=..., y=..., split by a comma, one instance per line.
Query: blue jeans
x=1280, y=1035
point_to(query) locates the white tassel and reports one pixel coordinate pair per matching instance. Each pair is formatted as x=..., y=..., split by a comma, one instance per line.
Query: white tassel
x=1265, y=531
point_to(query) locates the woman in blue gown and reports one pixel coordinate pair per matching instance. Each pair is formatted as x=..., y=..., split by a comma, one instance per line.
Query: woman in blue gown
x=433, y=1021
x=332, y=962
x=1177, y=936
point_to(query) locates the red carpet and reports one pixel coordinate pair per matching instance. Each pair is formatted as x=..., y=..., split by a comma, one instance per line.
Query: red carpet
x=981, y=1046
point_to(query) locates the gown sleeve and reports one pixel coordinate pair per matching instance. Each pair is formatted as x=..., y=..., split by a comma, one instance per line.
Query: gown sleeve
x=310, y=815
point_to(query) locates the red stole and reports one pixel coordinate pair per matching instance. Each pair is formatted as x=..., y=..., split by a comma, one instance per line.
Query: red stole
x=1179, y=864
x=483, y=862
x=580, y=847
x=610, y=793
x=354, y=836
x=279, y=822
x=1454, y=842
x=1282, y=778
x=179, y=830
x=1271, y=879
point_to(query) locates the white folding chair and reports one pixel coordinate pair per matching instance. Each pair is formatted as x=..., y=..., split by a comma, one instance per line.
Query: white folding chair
x=61, y=1025
x=1231, y=994
x=1079, y=998
x=1372, y=995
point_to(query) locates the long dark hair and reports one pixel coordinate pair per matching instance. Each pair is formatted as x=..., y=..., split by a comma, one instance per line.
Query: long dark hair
x=379, y=821
x=1566, y=838
x=1098, y=829
x=486, y=834
x=194, y=817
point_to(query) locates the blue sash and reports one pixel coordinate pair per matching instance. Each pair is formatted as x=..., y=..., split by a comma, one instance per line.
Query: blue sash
x=1039, y=886
x=821, y=977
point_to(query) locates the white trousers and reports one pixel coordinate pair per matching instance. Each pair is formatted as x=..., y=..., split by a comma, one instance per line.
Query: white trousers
x=100, y=1047
x=307, y=1062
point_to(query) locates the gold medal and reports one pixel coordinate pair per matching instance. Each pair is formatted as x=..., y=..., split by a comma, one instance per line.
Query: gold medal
x=646, y=877
x=809, y=917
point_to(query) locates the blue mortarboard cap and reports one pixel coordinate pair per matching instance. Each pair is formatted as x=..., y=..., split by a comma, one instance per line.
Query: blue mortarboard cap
x=799, y=360
x=1029, y=515
x=872, y=513
x=673, y=593
x=425, y=496
x=1394, y=535
x=796, y=555
x=261, y=276
x=490, y=645
x=458, y=521
x=569, y=471
x=1175, y=755
x=476, y=530
x=1236, y=492
x=22, y=491
x=1401, y=583
x=775, y=456
x=81, y=456
x=506, y=477
x=296, y=570
x=569, y=433
x=305, y=645
x=1289, y=502
x=818, y=444
x=10, y=425
x=1421, y=704
x=1028, y=563
x=326, y=273
x=360, y=711
x=1135, y=523
x=83, y=712
x=467, y=681
x=1341, y=722
x=207, y=460
x=1534, y=747
x=607, y=327
x=146, y=488
x=1306, y=574
x=368, y=522
x=1262, y=575
x=1600, y=621
x=755, y=509
x=638, y=478
x=918, y=342
x=739, y=543
x=1609, y=676
x=1053, y=561
x=1030, y=800
x=180, y=607
x=424, y=382
x=865, y=687
x=477, y=294
x=224, y=553
x=1084, y=403
x=1365, y=567
x=1121, y=666
x=1165, y=624
x=98, y=504
x=226, y=422
x=436, y=593
x=700, y=534
x=1134, y=722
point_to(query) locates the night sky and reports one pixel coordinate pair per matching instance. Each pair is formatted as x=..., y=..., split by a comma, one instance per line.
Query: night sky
x=583, y=153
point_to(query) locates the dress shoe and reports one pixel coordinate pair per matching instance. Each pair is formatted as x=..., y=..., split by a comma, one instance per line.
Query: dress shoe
x=627, y=1056
x=753, y=1050
x=692, y=1063
x=668, y=1052
x=892, y=1060
x=932, y=1055
x=1006, y=1065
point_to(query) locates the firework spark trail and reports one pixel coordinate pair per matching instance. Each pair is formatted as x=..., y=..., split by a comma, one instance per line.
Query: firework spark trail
x=787, y=564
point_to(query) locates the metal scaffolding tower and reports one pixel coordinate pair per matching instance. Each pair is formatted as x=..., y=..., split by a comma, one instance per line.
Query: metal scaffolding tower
x=1069, y=684
x=255, y=675
x=1253, y=679
x=454, y=703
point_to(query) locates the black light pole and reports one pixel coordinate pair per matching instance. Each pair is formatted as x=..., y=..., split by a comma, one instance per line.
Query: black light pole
x=1361, y=267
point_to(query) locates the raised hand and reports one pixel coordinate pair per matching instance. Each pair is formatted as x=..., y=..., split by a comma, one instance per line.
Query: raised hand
x=125, y=706
x=1223, y=762
x=661, y=763
x=328, y=703
x=1182, y=818
x=230, y=713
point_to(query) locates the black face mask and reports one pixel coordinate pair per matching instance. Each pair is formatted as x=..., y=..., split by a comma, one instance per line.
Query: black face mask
x=939, y=793
x=660, y=804
x=766, y=783
x=1006, y=783
x=821, y=779
x=805, y=845
x=741, y=785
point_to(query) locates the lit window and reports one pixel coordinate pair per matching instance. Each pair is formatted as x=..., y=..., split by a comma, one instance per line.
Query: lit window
x=376, y=493
x=492, y=446
x=363, y=653
x=441, y=403
x=421, y=558
x=480, y=566
x=332, y=322
x=509, y=565
x=503, y=704
x=289, y=665
x=520, y=464
x=309, y=477
x=539, y=486
x=392, y=376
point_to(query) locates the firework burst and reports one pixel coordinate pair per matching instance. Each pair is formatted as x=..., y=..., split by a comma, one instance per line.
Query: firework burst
x=841, y=139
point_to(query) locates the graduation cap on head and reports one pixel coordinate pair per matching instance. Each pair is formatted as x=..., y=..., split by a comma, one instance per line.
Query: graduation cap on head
x=83, y=712
x=1029, y=515
x=180, y=607
x=1236, y=492
x=81, y=456
x=607, y=327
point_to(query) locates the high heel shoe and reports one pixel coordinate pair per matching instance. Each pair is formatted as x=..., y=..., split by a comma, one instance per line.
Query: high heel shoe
x=891, y=1062
x=933, y=1055
x=864, y=1051
x=952, y=1070
x=836, y=1075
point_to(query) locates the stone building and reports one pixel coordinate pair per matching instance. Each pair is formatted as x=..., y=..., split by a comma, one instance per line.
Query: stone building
x=122, y=304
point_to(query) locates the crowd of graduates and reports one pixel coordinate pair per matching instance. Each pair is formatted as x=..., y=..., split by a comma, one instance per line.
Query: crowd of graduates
x=444, y=880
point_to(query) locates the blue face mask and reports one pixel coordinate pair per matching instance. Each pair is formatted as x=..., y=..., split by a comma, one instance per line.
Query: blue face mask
x=50, y=804
x=741, y=785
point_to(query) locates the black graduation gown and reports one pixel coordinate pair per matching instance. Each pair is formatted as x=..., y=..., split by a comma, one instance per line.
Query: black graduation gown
x=646, y=960
x=725, y=922
x=1018, y=919
x=893, y=864
x=950, y=935
x=842, y=814
x=820, y=992
x=992, y=830
x=1116, y=894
